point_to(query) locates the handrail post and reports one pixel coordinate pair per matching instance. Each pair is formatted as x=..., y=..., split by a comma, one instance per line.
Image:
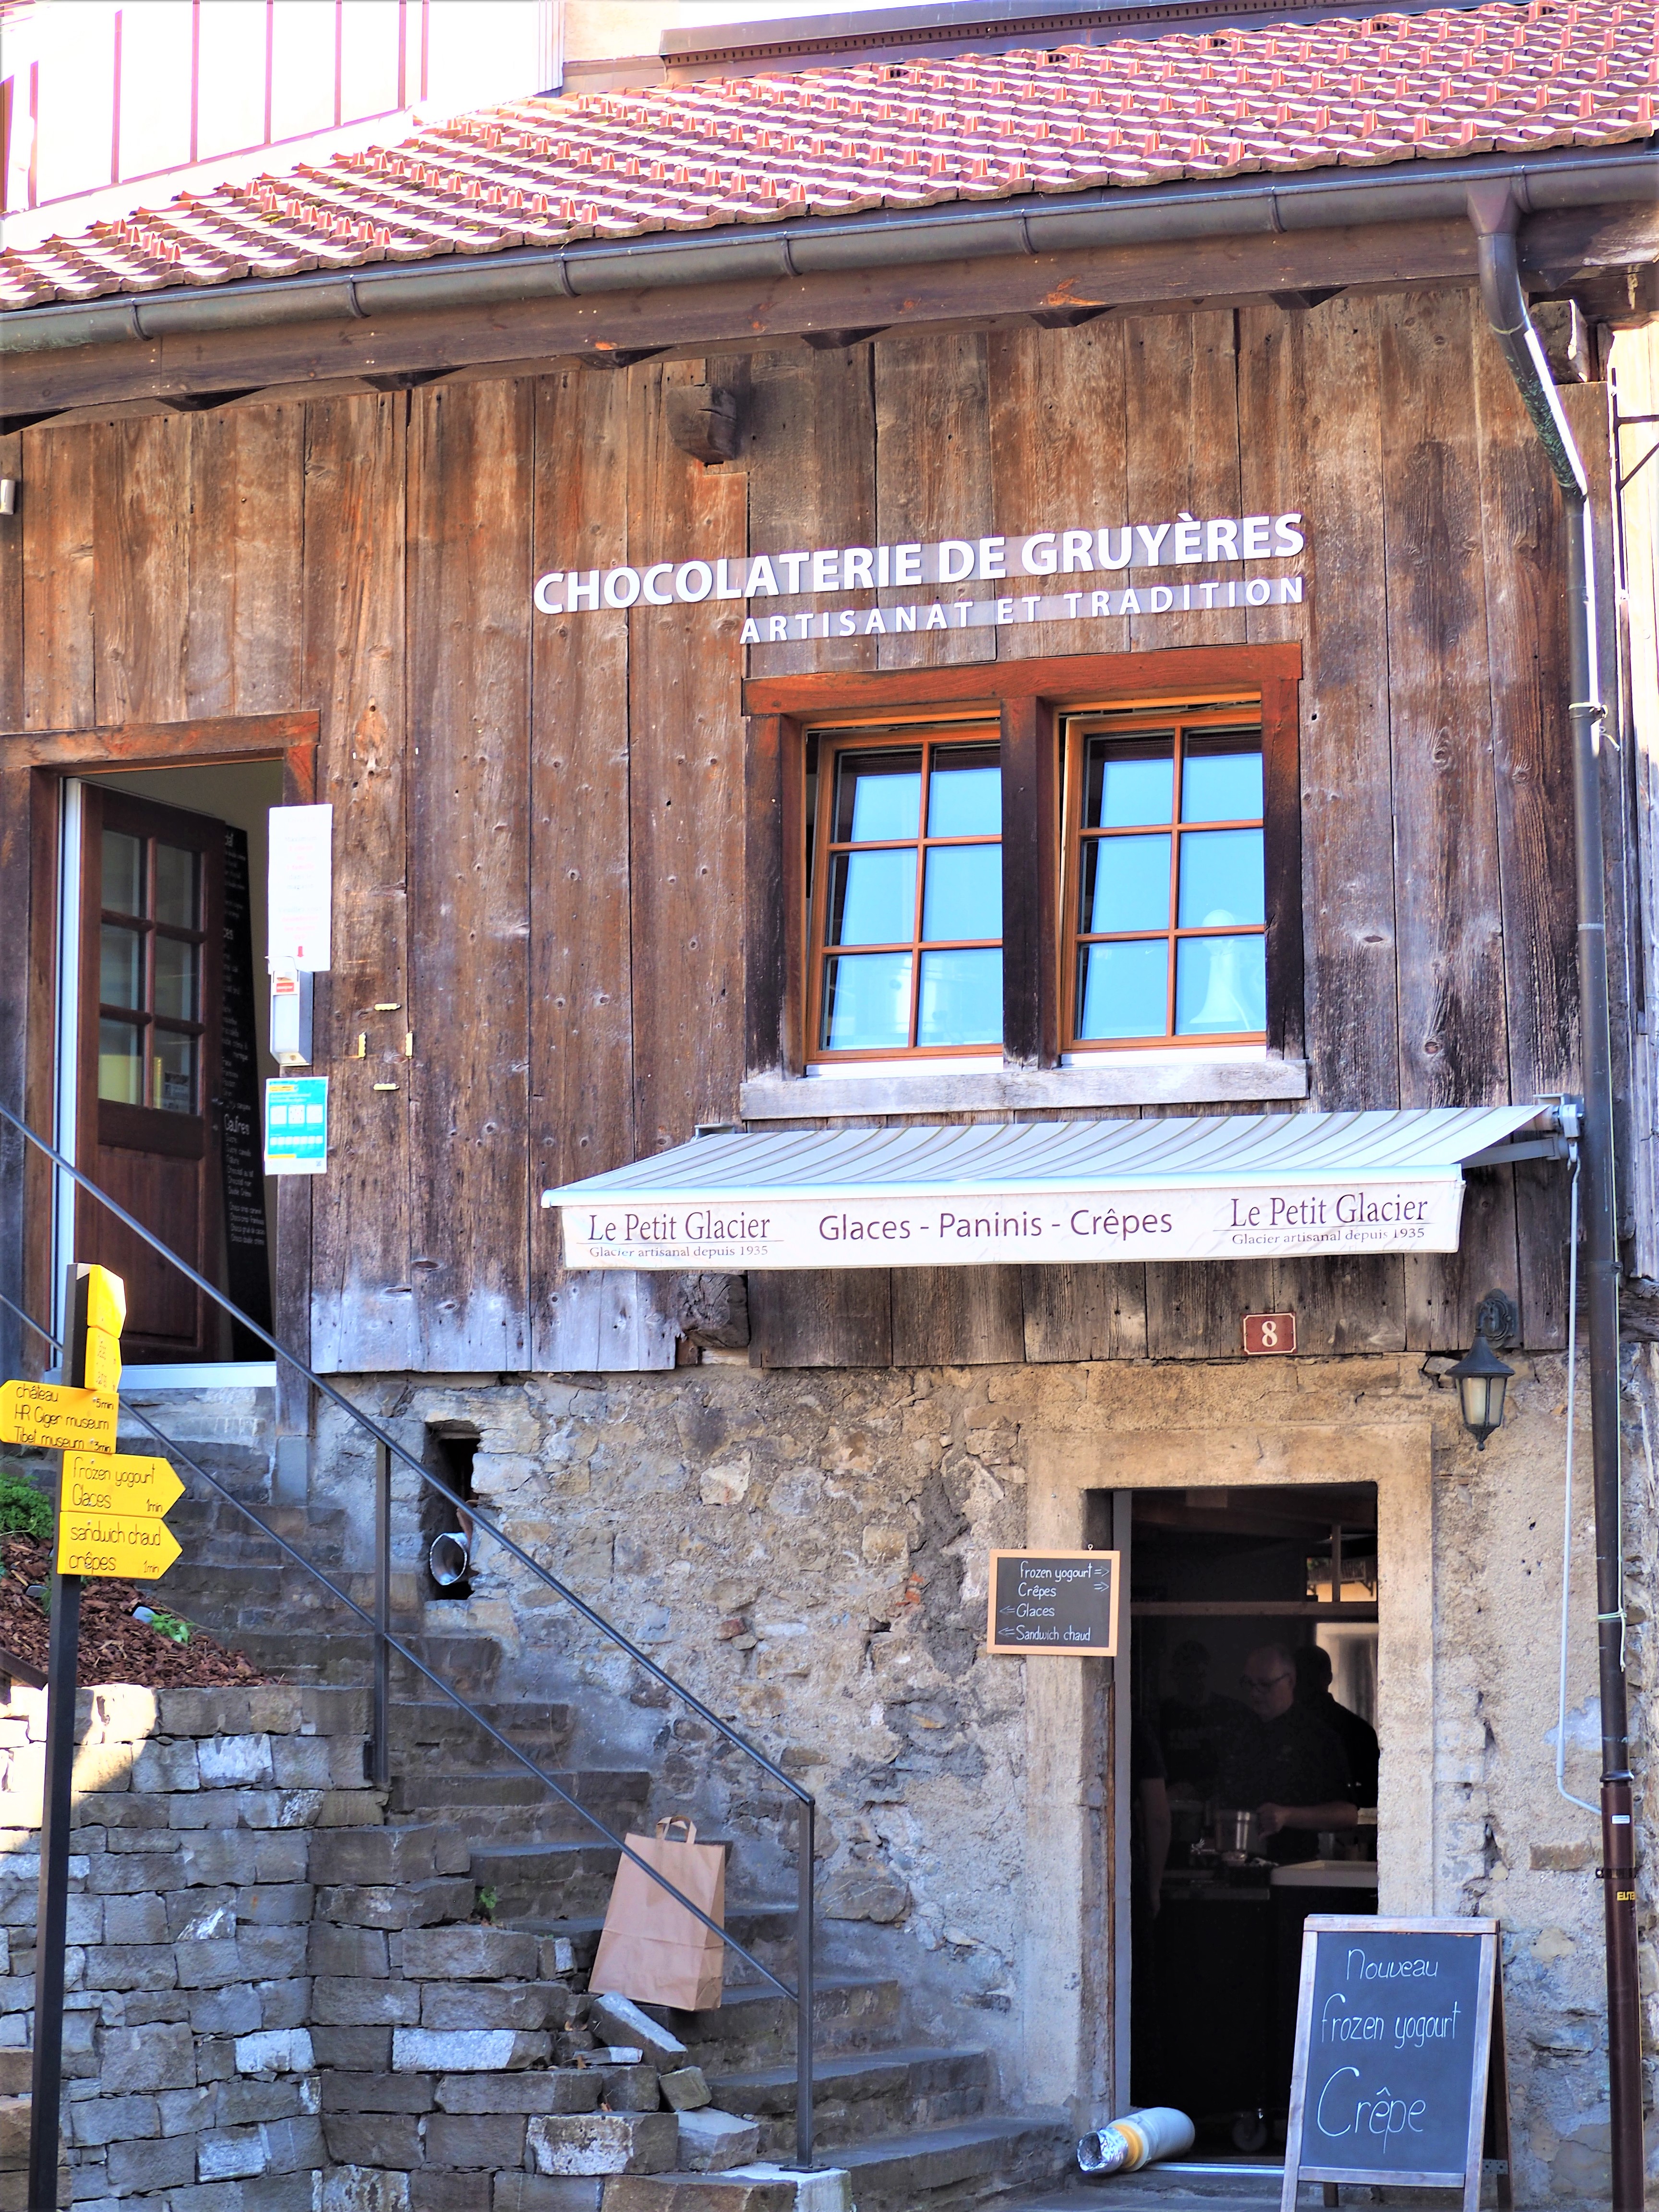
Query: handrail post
x=381, y=1775
x=804, y=1977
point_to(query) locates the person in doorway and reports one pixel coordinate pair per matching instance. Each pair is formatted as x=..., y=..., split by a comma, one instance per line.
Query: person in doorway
x=1287, y=1765
x=1195, y=1726
x=1357, y=1737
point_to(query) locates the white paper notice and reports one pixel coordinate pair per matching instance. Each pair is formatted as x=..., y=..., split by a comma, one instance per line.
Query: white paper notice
x=301, y=881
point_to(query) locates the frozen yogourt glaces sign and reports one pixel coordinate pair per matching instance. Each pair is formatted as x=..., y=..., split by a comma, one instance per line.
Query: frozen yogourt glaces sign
x=1174, y=566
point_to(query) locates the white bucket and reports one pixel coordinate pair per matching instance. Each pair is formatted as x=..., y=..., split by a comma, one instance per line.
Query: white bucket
x=1136, y=2140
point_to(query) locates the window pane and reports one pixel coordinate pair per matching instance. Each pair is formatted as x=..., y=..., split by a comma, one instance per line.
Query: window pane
x=1128, y=781
x=1221, y=879
x=878, y=796
x=124, y=872
x=120, y=1070
x=866, y=1002
x=172, y=1072
x=964, y=892
x=872, y=899
x=120, y=966
x=1221, y=776
x=1123, y=989
x=1221, y=985
x=175, y=978
x=175, y=886
x=960, y=998
x=1126, y=883
x=964, y=795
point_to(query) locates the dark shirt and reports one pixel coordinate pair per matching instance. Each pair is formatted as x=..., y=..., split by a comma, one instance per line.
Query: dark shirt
x=1294, y=1760
x=1358, y=1741
x=1196, y=1738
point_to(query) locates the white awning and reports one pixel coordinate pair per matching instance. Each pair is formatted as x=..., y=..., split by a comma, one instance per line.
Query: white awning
x=1220, y=1187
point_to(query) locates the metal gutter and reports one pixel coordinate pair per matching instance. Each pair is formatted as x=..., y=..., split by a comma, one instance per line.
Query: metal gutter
x=1028, y=225
x=1493, y=213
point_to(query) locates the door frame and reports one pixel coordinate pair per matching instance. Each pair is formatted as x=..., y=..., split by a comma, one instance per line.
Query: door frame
x=33, y=767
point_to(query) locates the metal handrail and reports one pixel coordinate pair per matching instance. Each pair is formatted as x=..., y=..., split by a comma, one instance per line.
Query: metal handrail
x=387, y=1448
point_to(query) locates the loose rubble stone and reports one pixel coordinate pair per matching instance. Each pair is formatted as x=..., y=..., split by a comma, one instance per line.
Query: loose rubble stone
x=470, y=1953
x=628, y=2088
x=621, y=2021
x=466, y=2051
x=712, y=2142
x=603, y=2142
x=686, y=2089
x=870, y=1892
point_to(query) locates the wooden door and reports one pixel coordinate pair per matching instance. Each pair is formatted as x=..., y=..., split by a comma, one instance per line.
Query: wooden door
x=152, y=943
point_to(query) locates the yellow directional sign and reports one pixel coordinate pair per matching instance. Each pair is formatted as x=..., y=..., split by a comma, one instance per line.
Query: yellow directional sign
x=60, y=1419
x=103, y=1360
x=106, y=1302
x=118, y=1482
x=114, y=1544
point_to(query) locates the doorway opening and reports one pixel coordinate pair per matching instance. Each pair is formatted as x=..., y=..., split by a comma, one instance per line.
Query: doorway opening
x=162, y=1047
x=446, y=1529
x=1253, y=1772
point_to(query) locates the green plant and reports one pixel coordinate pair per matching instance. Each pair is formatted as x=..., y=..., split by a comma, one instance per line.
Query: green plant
x=24, y=1510
x=165, y=1623
x=484, y=1907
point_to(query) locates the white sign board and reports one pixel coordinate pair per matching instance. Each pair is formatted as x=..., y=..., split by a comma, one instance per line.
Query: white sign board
x=1367, y=1213
x=301, y=881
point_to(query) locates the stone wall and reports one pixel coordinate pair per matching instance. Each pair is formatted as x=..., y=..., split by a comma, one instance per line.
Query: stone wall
x=808, y=1551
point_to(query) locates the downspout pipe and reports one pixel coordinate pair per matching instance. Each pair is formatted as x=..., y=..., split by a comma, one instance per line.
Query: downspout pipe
x=1493, y=213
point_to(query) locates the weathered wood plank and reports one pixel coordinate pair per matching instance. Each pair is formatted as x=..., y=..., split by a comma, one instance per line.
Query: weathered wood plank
x=809, y=446
x=1058, y=460
x=247, y=557
x=142, y=568
x=685, y=794
x=1030, y=871
x=1343, y=1305
x=58, y=504
x=772, y=926
x=1196, y=1308
x=468, y=716
x=957, y=1317
x=932, y=474
x=1310, y=437
x=362, y=1306
x=1085, y=1312
x=14, y=871
x=11, y=596
x=1444, y=1291
x=1082, y=677
x=1182, y=432
x=835, y=1317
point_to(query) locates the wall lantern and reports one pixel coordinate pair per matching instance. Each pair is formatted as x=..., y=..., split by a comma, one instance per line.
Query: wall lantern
x=1481, y=1378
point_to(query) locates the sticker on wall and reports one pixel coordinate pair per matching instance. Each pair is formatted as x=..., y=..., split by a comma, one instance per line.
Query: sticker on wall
x=296, y=1125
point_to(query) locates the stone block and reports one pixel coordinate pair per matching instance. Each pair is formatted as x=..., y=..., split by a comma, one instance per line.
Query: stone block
x=618, y=2020
x=404, y=1905
x=210, y=1962
x=556, y=2089
x=485, y=2004
x=276, y=2050
x=293, y=2191
x=372, y=2139
x=354, y=1951
x=293, y=2145
x=486, y=2139
x=439, y=2188
x=327, y=1709
x=284, y=2004
x=375, y=1854
x=221, y=1858
x=354, y=2050
x=131, y=1966
x=204, y=1712
x=116, y=1712
x=539, y=2192
x=466, y=2050
x=86, y=1919
x=317, y=1762
x=140, y=1919
x=379, y=2093
x=602, y=2142
x=468, y=1954
x=201, y=1916
x=98, y=1766
x=230, y=2155
x=271, y=1954
x=97, y=2120
x=712, y=2142
x=228, y=2011
x=230, y=1762
x=359, y=2189
x=279, y=1709
x=242, y=2103
x=685, y=2090
x=187, y=2111
x=216, y=2058
x=168, y=2162
x=750, y=2191
x=146, y=2059
x=130, y=1874
x=274, y=1904
x=169, y=1766
x=354, y=2002
x=628, y=2088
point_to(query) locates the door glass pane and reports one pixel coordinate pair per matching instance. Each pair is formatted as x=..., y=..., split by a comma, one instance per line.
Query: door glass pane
x=1128, y=781
x=1221, y=776
x=124, y=872
x=1122, y=989
x=121, y=1068
x=1221, y=985
x=866, y=1001
x=1221, y=879
x=1126, y=883
x=964, y=893
x=965, y=795
x=960, y=998
x=172, y=1072
x=175, y=978
x=175, y=886
x=878, y=796
x=873, y=897
x=120, y=966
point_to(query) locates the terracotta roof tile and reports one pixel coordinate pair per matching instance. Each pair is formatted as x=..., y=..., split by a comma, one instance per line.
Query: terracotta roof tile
x=1512, y=78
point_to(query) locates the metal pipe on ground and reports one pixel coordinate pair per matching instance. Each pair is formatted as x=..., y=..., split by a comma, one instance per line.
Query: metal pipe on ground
x=1493, y=213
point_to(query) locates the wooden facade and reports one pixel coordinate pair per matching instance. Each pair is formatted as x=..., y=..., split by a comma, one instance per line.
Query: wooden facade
x=555, y=838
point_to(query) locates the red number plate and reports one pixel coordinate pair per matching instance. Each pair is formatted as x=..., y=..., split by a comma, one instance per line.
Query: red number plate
x=1269, y=1333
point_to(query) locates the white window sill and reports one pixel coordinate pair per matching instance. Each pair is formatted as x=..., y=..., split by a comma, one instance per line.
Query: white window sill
x=1118, y=1079
x=200, y=1375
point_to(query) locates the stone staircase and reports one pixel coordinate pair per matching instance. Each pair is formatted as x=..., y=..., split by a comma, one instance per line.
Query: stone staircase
x=916, y=2125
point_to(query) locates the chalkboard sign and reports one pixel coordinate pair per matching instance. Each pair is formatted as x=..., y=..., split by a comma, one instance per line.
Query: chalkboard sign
x=1058, y=1602
x=1399, y=2056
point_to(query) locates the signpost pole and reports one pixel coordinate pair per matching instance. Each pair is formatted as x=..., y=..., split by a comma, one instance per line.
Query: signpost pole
x=51, y=1917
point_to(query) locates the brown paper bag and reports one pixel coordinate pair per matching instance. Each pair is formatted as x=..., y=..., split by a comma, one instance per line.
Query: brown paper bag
x=652, y=1950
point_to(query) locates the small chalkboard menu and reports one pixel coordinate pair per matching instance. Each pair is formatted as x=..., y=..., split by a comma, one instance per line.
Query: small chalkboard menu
x=1056, y=1602
x=1399, y=2071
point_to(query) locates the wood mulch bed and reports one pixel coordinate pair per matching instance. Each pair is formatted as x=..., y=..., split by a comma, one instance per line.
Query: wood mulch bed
x=114, y=1647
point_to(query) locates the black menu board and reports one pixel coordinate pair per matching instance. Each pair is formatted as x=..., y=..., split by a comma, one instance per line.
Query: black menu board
x=1398, y=2029
x=1064, y=1603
